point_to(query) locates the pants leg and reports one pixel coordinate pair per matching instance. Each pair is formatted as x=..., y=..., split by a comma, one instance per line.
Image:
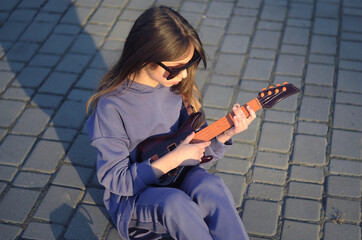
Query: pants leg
x=216, y=204
x=160, y=209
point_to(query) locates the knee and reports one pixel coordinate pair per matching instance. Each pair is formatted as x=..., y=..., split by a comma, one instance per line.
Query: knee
x=175, y=200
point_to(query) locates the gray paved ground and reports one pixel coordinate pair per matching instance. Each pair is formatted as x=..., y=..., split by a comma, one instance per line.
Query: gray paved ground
x=296, y=172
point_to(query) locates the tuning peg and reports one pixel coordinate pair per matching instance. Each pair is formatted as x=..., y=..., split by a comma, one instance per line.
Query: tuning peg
x=269, y=92
x=285, y=83
x=271, y=87
x=278, y=85
x=262, y=94
x=277, y=90
x=264, y=89
x=284, y=89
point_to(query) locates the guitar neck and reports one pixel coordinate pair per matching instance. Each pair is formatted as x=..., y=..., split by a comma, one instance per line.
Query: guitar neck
x=223, y=124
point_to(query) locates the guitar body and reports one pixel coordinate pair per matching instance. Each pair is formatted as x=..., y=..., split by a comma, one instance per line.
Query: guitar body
x=157, y=146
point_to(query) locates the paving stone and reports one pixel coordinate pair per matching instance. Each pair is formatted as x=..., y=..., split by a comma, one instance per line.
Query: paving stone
x=235, y=44
x=47, y=17
x=236, y=185
x=44, y=60
x=77, y=15
x=32, y=121
x=93, y=196
x=316, y=109
x=222, y=98
x=293, y=49
x=31, y=180
x=271, y=160
x=7, y=173
x=59, y=134
x=72, y=176
x=344, y=186
x=120, y=30
x=351, y=50
x=22, y=51
x=113, y=234
x=274, y=13
x=241, y=25
x=82, y=153
x=195, y=18
x=89, y=222
x=310, y=150
x=31, y=77
x=193, y=6
x=37, y=31
x=323, y=45
x=335, y=231
x=86, y=44
x=305, y=190
x=325, y=26
x=258, y=69
x=279, y=116
x=105, y=15
x=37, y=230
x=307, y=174
x=58, y=83
x=264, y=191
x=261, y=217
x=58, y=204
x=267, y=25
x=347, y=81
x=290, y=65
x=73, y=63
x=219, y=10
x=320, y=129
x=42, y=100
x=67, y=29
x=350, y=98
x=57, y=44
x=13, y=208
x=327, y=10
x=266, y=39
x=294, y=35
x=210, y=35
x=347, y=117
x=80, y=95
x=301, y=10
x=339, y=166
x=97, y=29
x=2, y=186
x=71, y=114
x=321, y=59
x=14, y=93
x=275, y=137
x=22, y=15
x=56, y=6
x=14, y=149
x=318, y=91
x=233, y=165
x=5, y=79
x=268, y=175
x=302, y=209
x=9, y=231
x=224, y=80
x=343, y=208
x=340, y=149
x=262, y=53
x=104, y=59
x=320, y=74
x=10, y=31
x=299, y=230
x=240, y=150
x=45, y=156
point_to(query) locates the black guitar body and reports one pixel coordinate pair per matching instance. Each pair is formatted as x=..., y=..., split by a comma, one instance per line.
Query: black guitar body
x=157, y=146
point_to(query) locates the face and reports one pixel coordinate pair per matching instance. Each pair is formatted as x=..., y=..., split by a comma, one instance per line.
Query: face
x=169, y=73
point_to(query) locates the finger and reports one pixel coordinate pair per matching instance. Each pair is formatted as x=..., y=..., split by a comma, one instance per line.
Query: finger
x=189, y=138
x=251, y=111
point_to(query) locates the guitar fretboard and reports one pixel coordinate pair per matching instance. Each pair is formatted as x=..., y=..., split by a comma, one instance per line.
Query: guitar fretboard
x=223, y=124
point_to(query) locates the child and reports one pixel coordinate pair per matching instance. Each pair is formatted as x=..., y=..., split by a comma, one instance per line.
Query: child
x=141, y=96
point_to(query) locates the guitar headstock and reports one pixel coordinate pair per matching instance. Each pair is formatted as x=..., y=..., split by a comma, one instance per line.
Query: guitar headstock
x=271, y=96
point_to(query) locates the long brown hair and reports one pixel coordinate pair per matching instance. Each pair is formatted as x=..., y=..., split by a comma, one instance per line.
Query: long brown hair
x=159, y=34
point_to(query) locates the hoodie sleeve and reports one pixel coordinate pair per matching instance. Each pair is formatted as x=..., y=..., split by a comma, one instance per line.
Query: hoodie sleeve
x=115, y=171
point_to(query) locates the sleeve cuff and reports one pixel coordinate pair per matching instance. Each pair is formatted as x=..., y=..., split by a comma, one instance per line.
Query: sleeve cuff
x=146, y=173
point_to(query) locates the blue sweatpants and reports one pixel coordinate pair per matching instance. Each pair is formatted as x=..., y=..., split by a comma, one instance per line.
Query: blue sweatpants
x=202, y=208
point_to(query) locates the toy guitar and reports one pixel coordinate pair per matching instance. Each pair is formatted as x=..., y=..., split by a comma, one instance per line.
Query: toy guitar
x=157, y=146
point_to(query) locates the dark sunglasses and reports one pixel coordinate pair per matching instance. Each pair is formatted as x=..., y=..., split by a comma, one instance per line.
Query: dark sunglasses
x=173, y=72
